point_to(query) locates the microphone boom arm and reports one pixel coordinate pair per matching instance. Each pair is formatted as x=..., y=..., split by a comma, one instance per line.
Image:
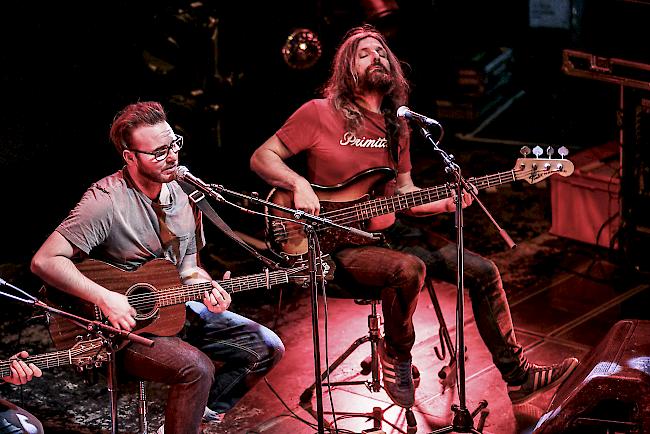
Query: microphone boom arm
x=297, y=214
x=213, y=190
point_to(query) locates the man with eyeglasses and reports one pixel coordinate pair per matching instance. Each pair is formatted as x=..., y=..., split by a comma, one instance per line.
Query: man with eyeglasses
x=133, y=216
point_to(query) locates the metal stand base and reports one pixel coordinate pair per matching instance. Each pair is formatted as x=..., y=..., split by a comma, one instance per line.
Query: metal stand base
x=464, y=421
x=373, y=336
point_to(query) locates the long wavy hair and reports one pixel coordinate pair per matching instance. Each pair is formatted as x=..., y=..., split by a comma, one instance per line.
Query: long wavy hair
x=342, y=86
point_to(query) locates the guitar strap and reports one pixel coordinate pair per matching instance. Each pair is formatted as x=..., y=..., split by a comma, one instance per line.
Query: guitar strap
x=201, y=201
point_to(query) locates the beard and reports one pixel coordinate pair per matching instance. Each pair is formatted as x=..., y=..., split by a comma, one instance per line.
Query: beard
x=376, y=79
x=157, y=175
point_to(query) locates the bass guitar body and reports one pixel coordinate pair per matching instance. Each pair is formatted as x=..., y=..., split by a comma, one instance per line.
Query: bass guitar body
x=288, y=239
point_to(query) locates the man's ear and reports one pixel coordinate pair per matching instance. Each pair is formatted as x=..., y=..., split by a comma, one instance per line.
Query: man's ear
x=129, y=157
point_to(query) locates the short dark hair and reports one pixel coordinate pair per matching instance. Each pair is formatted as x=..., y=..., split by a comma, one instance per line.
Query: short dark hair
x=132, y=117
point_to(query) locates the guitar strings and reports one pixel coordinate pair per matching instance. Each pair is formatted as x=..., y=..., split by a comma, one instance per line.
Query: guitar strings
x=351, y=214
x=47, y=357
x=192, y=291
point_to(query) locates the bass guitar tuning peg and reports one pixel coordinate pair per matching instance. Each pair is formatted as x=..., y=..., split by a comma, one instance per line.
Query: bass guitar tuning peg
x=525, y=150
x=563, y=151
x=550, y=151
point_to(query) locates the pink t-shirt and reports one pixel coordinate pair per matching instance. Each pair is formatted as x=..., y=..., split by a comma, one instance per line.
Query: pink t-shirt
x=334, y=154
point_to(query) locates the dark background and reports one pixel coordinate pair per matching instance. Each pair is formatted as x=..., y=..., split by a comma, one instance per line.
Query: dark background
x=217, y=67
x=68, y=67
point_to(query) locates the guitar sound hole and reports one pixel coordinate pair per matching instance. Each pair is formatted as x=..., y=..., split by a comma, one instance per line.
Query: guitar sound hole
x=144, y=300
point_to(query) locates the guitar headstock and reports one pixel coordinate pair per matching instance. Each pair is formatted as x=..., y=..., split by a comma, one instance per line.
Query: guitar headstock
x=300, y=269
x=88, y=353
x=536, y=169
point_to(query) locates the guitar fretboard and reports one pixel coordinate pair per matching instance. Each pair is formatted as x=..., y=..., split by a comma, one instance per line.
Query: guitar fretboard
x=43, y=361
x=183, y=293
x=387, y=205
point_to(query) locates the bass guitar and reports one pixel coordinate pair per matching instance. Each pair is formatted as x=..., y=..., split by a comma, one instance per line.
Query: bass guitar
x=91, y=352
x=155, y=292
x=354, y=203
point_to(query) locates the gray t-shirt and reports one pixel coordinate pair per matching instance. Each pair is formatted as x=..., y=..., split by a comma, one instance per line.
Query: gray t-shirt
x=116, y=223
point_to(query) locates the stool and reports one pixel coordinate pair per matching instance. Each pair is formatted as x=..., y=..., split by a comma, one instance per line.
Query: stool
x=142, y=407
x=108, y=371
x=370, y=365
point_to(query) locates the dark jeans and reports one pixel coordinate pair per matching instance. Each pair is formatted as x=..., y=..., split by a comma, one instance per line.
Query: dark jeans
x=393, y=277
x=15, y=420
x=245, y=350
x=482, y=280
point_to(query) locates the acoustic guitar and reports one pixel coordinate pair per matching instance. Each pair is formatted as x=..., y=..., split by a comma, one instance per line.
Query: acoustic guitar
x=155, y=292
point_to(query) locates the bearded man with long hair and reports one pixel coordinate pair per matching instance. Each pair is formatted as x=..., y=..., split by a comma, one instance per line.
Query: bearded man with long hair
x=352, y=130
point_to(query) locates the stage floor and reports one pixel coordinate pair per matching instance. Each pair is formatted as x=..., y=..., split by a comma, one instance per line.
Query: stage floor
x=575, y=298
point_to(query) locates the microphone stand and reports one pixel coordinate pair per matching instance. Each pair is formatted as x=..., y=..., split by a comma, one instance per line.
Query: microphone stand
x=463, y=420
x=96, y=327
x=297, y=214
x=214, y=190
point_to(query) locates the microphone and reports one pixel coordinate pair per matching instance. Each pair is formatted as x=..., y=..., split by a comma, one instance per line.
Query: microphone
x=405, y=112
x=183, y=174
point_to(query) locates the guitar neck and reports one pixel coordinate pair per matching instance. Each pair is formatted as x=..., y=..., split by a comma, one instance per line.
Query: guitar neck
x=391, y=204
x=42, y=361
x=196, y=291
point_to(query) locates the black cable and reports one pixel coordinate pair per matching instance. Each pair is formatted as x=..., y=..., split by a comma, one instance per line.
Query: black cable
x=295, y=416
x=326, y=326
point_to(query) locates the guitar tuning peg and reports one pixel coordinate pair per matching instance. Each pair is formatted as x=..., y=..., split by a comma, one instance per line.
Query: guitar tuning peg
x=563, y=151
x=525, y=150
x=537, y=151
x=550, y=151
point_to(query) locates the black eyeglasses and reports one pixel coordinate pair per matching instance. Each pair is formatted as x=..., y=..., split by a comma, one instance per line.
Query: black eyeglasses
x=161, y=153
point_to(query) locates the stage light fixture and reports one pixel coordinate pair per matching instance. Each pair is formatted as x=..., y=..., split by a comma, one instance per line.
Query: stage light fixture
x=302, y=49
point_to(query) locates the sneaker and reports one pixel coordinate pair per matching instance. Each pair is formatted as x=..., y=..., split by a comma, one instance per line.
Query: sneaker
x=210, y=416
x=541, y=378
x=398, y=379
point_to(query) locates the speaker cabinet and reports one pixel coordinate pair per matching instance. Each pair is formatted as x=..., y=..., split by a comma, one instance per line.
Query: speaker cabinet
x=609, y=392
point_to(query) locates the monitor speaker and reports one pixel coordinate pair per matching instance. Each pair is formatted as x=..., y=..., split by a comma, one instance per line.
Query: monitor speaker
x=609, y=392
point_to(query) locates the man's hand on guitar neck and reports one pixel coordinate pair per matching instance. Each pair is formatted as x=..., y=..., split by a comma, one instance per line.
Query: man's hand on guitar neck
x=22, y=372
x=117, y=310
x=218, y=300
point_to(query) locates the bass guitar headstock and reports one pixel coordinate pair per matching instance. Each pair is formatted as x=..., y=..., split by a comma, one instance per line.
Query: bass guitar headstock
x=536, y=169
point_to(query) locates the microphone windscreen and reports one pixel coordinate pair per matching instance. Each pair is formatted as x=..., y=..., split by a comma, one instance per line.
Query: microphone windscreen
x=181, y=171
x=401, y=112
